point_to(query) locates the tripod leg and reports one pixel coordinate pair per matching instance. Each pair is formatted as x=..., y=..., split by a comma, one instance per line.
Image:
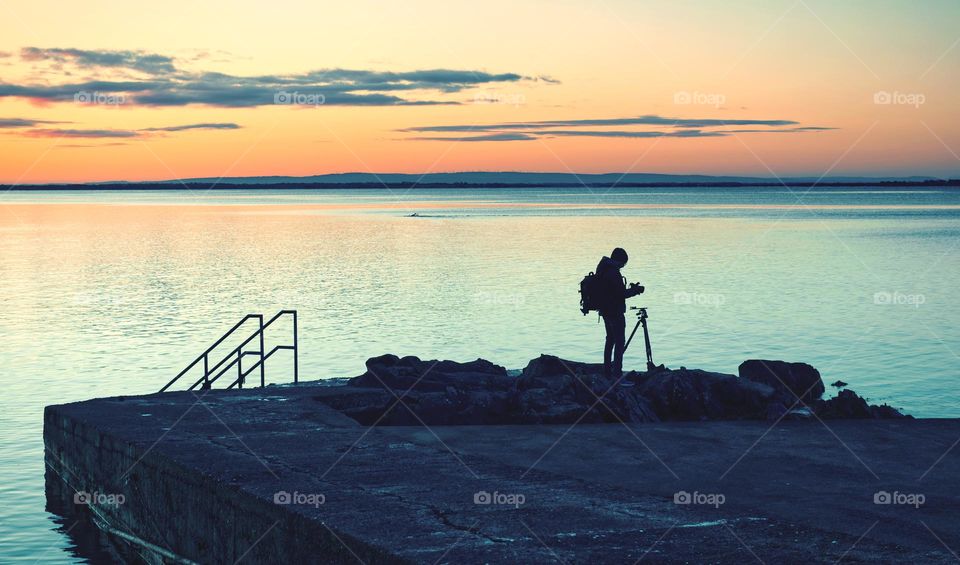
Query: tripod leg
x=646, y=341
x=635, y=328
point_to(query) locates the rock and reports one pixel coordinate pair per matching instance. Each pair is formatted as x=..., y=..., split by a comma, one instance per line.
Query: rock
x=776, y=411
x=551, y=390
x=794, y=380
x=547, y=368
x=561, y=413
x=886, y=411
x=839, y=384
x=849, y=405
x=638, y=409
x=410, y=373
x=702, y=395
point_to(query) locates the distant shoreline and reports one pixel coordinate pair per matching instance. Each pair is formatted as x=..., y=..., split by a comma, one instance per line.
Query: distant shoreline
x=205, y=186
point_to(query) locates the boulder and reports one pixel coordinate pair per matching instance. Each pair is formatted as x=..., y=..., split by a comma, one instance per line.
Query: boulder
x=775, y=411
x=410, y=373
x=849, y=405
x=545, y=372
x=791, y=380
x=692, y=394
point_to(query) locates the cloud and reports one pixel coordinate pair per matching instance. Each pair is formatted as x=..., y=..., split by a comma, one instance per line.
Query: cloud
x=195, y=126
x=648, y=120
x=783, y=130
x=671, y=127
x=86, y=145
x=80, y=133
x=68, y=92
x=506, y=136
x=24, y=122
x=151, y=63
x=547, y=79
x=635, y=134
x=124, y=133
x=165, y=84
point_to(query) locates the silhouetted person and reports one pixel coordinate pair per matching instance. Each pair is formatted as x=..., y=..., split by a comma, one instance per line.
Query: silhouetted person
x=614, y=308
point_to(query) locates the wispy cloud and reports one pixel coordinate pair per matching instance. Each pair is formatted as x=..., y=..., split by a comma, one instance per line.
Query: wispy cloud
x=195, y=126
x=80, y=133
x=151, y=63
x=164, y=83
x=505, y=136
x=89, y=145
x=24, y=122
x=669, y=127
x=109, y=133
x=648, y=120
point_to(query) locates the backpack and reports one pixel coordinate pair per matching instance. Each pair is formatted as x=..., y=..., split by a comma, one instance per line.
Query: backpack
x=591, y=293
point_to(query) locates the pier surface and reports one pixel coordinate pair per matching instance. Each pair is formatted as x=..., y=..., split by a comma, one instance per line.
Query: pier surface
x=275, y=475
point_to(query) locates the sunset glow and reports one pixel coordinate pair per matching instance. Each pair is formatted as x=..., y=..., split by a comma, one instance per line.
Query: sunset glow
x=95, y=91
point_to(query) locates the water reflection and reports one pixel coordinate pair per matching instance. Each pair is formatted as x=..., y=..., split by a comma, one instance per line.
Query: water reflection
x=109, y=295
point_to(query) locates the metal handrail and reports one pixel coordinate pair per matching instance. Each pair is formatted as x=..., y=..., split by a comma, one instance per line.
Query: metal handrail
x=260, y=364
x=236, y=355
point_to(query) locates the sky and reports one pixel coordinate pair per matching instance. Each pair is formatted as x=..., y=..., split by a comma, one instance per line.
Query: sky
x=98, y=91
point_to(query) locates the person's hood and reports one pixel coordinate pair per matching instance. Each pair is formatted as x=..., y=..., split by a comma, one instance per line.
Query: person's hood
x=608, y=263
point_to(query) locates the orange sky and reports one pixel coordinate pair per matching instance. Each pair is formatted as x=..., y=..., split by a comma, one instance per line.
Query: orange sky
x=104, y=91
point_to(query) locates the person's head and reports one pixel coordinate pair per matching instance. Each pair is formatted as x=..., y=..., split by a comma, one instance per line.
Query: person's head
x=619, y=255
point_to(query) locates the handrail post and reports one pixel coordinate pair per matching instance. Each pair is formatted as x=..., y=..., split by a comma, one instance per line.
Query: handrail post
x=295, y=349
x=262, y=358
x=239, y=368
x=206, y=371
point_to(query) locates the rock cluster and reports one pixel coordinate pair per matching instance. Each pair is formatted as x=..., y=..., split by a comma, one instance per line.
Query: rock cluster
x=550, y=390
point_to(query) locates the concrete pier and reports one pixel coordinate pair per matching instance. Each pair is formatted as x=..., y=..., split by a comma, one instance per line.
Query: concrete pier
x=276, y=476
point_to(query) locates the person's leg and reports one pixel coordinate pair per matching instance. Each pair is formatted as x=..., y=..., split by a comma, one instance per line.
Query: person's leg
x=619, y=332
x=610, y=327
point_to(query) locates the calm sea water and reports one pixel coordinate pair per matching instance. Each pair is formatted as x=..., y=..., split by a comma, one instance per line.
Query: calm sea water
x=108, y=294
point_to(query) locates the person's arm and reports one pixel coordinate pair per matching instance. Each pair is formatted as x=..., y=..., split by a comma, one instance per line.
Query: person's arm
x=633, y=290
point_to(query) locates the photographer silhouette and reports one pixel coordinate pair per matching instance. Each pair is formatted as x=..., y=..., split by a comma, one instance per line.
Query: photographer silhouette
x=613, y=310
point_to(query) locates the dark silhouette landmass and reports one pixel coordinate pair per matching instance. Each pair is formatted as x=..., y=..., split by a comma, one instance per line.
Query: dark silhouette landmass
x=168, y=186
x=489, y=179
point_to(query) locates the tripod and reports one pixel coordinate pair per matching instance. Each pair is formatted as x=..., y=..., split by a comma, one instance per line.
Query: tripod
x=642, y=321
